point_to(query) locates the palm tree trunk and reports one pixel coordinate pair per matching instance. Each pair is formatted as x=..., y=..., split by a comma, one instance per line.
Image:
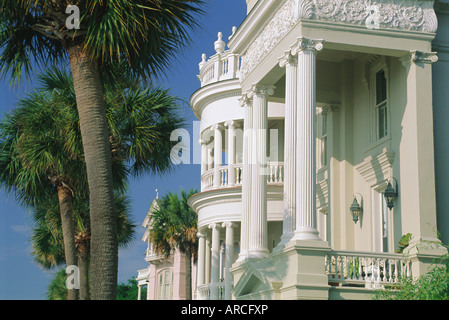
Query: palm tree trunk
x=97, y=153
x=68, y=232
x=189, y=275
x=83, y=264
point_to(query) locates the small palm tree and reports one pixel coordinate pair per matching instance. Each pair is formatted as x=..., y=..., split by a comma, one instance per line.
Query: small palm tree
x=47, y=240
x=174, y=226
x=146, y=34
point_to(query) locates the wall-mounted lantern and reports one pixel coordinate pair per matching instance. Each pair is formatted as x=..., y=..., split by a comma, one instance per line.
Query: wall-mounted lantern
x=356, y=208
x=391, y=194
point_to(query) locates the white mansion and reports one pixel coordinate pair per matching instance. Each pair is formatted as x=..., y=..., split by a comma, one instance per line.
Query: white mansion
x=324, y=141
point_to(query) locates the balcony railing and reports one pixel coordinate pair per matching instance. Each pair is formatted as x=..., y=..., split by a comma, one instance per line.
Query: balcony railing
x=203, y=291
x=275, y=174
x=220, y=66
x=153, y=257
x=371, y=270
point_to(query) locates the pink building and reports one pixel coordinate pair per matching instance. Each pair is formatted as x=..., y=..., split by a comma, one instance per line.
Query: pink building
x=165, y=277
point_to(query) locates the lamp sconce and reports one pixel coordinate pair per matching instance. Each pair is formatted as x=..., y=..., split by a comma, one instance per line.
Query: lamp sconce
x=356, y=208
x=391, y=194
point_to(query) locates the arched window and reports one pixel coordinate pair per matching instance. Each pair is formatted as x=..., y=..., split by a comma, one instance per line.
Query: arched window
x=165, y=284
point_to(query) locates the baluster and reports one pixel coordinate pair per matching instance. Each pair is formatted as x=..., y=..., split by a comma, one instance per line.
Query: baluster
x=390, y=274
x=396, y=271
x=354, y=268
x=378, y=269
x=360, y=269
x=364, y=268
x=336, y=267
x=409, y=271
x=384, y=271
x=342, y=268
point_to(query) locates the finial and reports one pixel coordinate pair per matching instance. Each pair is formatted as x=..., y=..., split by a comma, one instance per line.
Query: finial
x=203, y=61
x=219, y=45
x=234, y=29
x=157, y=194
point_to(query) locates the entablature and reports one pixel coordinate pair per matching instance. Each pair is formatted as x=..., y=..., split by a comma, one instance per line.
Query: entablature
x=387, y=27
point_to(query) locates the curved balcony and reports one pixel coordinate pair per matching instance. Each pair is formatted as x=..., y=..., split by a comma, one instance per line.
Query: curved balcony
x=213, y=180
x=223, y=65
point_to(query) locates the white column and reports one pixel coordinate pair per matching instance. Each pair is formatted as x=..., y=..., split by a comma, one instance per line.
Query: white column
x=203, y=160
x=305, y=152
x=203, y=156
x=218, y=155
x=229, y=260
x=215, y=261
x=231, y=152
x=207, y=259
x=258, y=238
x=246, y=103
x=139, y=291
x=290, y=63
x=200, y=280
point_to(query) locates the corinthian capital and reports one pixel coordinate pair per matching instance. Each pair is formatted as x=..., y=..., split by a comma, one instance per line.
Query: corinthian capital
x=419, y=57
x=424, y=57
x=259, y=90
x=245, y=100
x=288, y=59
x=304, y=44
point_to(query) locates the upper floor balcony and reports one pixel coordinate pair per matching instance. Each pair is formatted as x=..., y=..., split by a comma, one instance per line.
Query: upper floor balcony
x=223, y=65
x=231, y=176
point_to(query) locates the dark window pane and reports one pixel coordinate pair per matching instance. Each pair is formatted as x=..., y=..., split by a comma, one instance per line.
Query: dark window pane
x=381, y=87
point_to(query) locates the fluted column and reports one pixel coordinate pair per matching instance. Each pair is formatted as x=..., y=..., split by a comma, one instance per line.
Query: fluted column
x=200, y=280
x=306, y=50
x=207, y=259
x=258, y=240
x=215, y=261
x=229, y=259
x=290, y=62
x=231, y=152
x=246, y=103
x=203, y=159
x=218, y=149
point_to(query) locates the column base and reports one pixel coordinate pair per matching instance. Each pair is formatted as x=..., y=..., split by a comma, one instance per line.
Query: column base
x=304, y=274
x=306, y=234
x=257, y=253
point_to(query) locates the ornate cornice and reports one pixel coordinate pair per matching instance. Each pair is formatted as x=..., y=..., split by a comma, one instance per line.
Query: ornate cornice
x=398, y=14
x=406, y=15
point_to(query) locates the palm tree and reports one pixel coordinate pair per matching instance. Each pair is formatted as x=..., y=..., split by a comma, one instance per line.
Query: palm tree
x=47, y=240
x=174, y=225
x=35, y=162
x=144, y=33
x=41, y=150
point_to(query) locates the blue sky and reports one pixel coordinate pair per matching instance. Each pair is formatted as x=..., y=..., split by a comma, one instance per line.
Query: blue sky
x=20, y=277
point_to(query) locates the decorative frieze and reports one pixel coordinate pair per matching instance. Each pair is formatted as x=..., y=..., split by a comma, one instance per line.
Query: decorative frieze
x=396, y=14
x=407, y=15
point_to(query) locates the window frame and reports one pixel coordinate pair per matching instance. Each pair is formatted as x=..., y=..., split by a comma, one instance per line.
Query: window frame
x=375, y=138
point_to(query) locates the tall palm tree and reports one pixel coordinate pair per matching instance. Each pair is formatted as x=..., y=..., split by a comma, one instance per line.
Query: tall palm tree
x=144, y=33
x=174, y=226
x=41, y=150
x=47, y=240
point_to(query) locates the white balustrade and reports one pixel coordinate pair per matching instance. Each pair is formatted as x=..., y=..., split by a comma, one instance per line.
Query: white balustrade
x=203, y=291
x=223, y=65
x=373, y=270
x=275, y=174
